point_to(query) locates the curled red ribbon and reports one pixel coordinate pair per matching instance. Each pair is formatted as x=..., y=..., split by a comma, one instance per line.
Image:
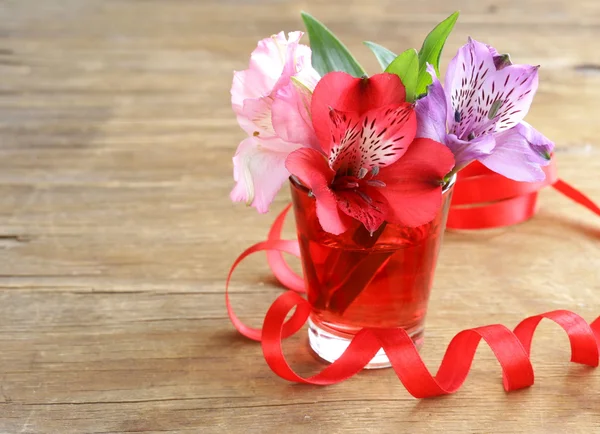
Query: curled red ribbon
x=512, y=349
x=484, y=199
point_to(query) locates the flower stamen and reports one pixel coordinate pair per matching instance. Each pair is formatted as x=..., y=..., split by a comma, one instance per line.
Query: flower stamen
x=375, y=183
x=364, y=196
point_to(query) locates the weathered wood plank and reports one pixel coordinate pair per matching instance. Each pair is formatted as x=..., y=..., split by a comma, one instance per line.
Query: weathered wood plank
x=116, y=231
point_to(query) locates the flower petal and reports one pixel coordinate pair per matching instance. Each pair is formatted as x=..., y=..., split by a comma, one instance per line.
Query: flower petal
x=379, y=139
x=431, y=111
x=265, y=69
x=414, y=183
x=294, y=58
x=259, y=171
x=269, y=57
x=344, y=128
x=272, y=64
x=370, y=206
x=505, y=98
x=465, y=152
x=345, y=93
x=541, y=145
x=255, y=117
x=291, y=115
x=248, y=84
x=310, y=166
x=517, y=154
x=485, y=97
x=305, y=73
x=466, y=74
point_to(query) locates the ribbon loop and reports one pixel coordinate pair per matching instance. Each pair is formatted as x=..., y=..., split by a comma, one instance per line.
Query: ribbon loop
x=483, y=199
x=281, y=270
x=279, y=246
x=584, y=345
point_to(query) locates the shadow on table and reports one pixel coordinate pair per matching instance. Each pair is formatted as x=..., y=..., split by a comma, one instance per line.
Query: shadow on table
x=561, y=222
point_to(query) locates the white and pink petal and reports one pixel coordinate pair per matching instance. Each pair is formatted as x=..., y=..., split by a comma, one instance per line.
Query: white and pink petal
x=248, y=84
x=291, y=115
x=305, y=72
x=255, y=117
x=259, y=171
x=270, y=55
x=272, y=64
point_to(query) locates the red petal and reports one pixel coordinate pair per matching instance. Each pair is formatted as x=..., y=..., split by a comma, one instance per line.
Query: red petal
x=379, y=138
x=385, y=136
x=343, y=92
x=369, y=206
x=413, y=183
x=311, y=167
x=345, y=128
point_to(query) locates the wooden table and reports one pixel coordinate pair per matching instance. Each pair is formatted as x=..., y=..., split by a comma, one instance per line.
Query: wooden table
x=117, y=230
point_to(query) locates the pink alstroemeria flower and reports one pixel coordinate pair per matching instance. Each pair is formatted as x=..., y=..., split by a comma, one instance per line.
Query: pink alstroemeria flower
x=479, y=113
x=271, y=100
x=369, y=167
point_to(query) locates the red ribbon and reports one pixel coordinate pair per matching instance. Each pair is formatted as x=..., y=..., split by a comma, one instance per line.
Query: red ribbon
x=484, y=199
x=514, y=202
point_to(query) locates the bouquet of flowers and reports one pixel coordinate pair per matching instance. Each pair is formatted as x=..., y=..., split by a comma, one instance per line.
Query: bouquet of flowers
x=372, y=160
x=379, y=148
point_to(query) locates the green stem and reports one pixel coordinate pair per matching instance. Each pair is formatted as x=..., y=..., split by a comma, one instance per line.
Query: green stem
x=357, y=279
x=449, y=176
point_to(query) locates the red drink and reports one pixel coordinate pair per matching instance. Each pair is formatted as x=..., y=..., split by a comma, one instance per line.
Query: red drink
x=356, y=280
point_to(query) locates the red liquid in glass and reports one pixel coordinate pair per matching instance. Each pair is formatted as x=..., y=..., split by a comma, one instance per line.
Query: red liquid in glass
x=356, y=280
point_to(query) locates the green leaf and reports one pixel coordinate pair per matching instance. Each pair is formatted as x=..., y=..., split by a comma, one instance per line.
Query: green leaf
x=328, y=52
x=406, y=66
x=384, y=56
x=432, y=50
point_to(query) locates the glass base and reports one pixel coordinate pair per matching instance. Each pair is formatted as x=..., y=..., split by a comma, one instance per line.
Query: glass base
x=330, y=347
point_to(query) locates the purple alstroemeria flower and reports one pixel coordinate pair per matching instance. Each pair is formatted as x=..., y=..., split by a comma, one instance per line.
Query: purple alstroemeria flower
x=479, y=113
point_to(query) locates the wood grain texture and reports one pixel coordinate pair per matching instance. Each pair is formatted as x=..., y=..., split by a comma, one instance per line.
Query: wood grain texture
x=116, y=231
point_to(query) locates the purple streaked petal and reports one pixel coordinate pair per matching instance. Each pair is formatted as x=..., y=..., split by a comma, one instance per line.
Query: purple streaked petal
x=517, y=154
x=505, y=98
x=431, y=111
x=466, y=74
x=540, y=144
x=465, y=152
x=485, y=97
x=493, y=51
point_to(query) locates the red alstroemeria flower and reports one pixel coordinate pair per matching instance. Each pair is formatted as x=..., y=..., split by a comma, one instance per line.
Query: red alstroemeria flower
x=371, y=168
